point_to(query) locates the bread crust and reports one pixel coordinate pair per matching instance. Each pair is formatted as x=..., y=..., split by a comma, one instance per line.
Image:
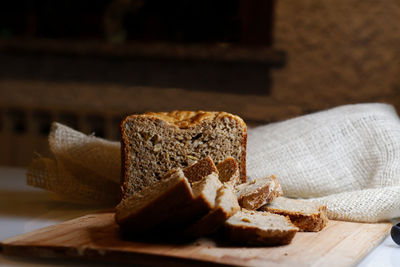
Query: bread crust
x=253, y=235
x=180, y=120
x=313, y=222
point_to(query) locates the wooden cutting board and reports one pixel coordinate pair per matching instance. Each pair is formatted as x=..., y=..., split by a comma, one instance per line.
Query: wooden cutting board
x=97, y=237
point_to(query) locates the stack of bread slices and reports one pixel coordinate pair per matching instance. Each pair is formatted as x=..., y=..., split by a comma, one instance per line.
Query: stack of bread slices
x=195, y=182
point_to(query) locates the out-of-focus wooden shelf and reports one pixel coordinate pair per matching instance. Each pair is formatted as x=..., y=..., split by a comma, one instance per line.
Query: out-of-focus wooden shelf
x=219, y=52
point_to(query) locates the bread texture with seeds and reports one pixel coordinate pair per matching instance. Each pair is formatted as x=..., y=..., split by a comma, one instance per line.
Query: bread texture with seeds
x=260, y=228
x=252, y=195
x=229, y=171
x=155, y=203
x=226, y=205
x=307, y=216
x=154, y=143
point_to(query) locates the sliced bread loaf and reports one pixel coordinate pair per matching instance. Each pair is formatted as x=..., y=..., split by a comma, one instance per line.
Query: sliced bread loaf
x=229, y=171
x=154, y=204
x=226, y=205
x=252, y=195
x=307, y=216
x=260, y=228
x=154, y=143
x=204, y=192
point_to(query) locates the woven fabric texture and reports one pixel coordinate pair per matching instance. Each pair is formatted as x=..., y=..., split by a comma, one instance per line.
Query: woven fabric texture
x=84, y=169
x=347, y=158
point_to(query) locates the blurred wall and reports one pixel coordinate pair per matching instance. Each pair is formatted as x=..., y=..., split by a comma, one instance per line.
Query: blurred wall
x=338, y=52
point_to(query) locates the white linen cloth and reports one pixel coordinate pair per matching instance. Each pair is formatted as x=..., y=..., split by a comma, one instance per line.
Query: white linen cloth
x=346, y=158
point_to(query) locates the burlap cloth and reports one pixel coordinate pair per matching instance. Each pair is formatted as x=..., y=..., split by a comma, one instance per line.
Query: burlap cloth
x=347, y=158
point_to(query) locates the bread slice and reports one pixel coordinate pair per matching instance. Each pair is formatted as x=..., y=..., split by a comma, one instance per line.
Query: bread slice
x=226, y=205
x=154, y=204
x=229, y=171
x=307, y=216
x=204, y=192
x=260, y=228
x=154, y=143
x=260, y=191
x=200, y=169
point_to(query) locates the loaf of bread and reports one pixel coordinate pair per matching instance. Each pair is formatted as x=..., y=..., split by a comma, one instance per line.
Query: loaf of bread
x=307, y=216
x=226, y=205
x=154, y=143
x=229, y=171
x=252, y=195
x=154, y=204
x=260, y=228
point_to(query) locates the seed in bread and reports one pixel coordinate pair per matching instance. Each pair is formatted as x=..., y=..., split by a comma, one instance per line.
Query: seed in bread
x=226, y=205
x=307, y=216
x=260, y=228
x=154, y=204
x=252, y=195
x=154, y=143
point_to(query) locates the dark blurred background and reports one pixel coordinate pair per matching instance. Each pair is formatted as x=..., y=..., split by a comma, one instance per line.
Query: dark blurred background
x=89, y=63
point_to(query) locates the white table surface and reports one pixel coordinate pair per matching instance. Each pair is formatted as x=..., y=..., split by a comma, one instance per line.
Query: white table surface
x=24, y=209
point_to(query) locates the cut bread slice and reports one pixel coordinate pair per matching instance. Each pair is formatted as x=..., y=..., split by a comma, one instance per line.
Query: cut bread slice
x=204, y=193
x=229, y=171
x=307, y=216
x=260, y=228
x=260, y=191
x=226, y=205
x=200, y=169
x=154, y=204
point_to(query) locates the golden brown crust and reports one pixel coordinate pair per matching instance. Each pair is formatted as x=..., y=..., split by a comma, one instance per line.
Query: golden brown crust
x=185, y=119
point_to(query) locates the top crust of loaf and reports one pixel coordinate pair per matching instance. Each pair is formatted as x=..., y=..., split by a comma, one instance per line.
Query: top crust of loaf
x=185, y=119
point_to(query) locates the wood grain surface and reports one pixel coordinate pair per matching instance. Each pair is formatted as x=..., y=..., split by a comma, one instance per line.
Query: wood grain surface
x=97, y=237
